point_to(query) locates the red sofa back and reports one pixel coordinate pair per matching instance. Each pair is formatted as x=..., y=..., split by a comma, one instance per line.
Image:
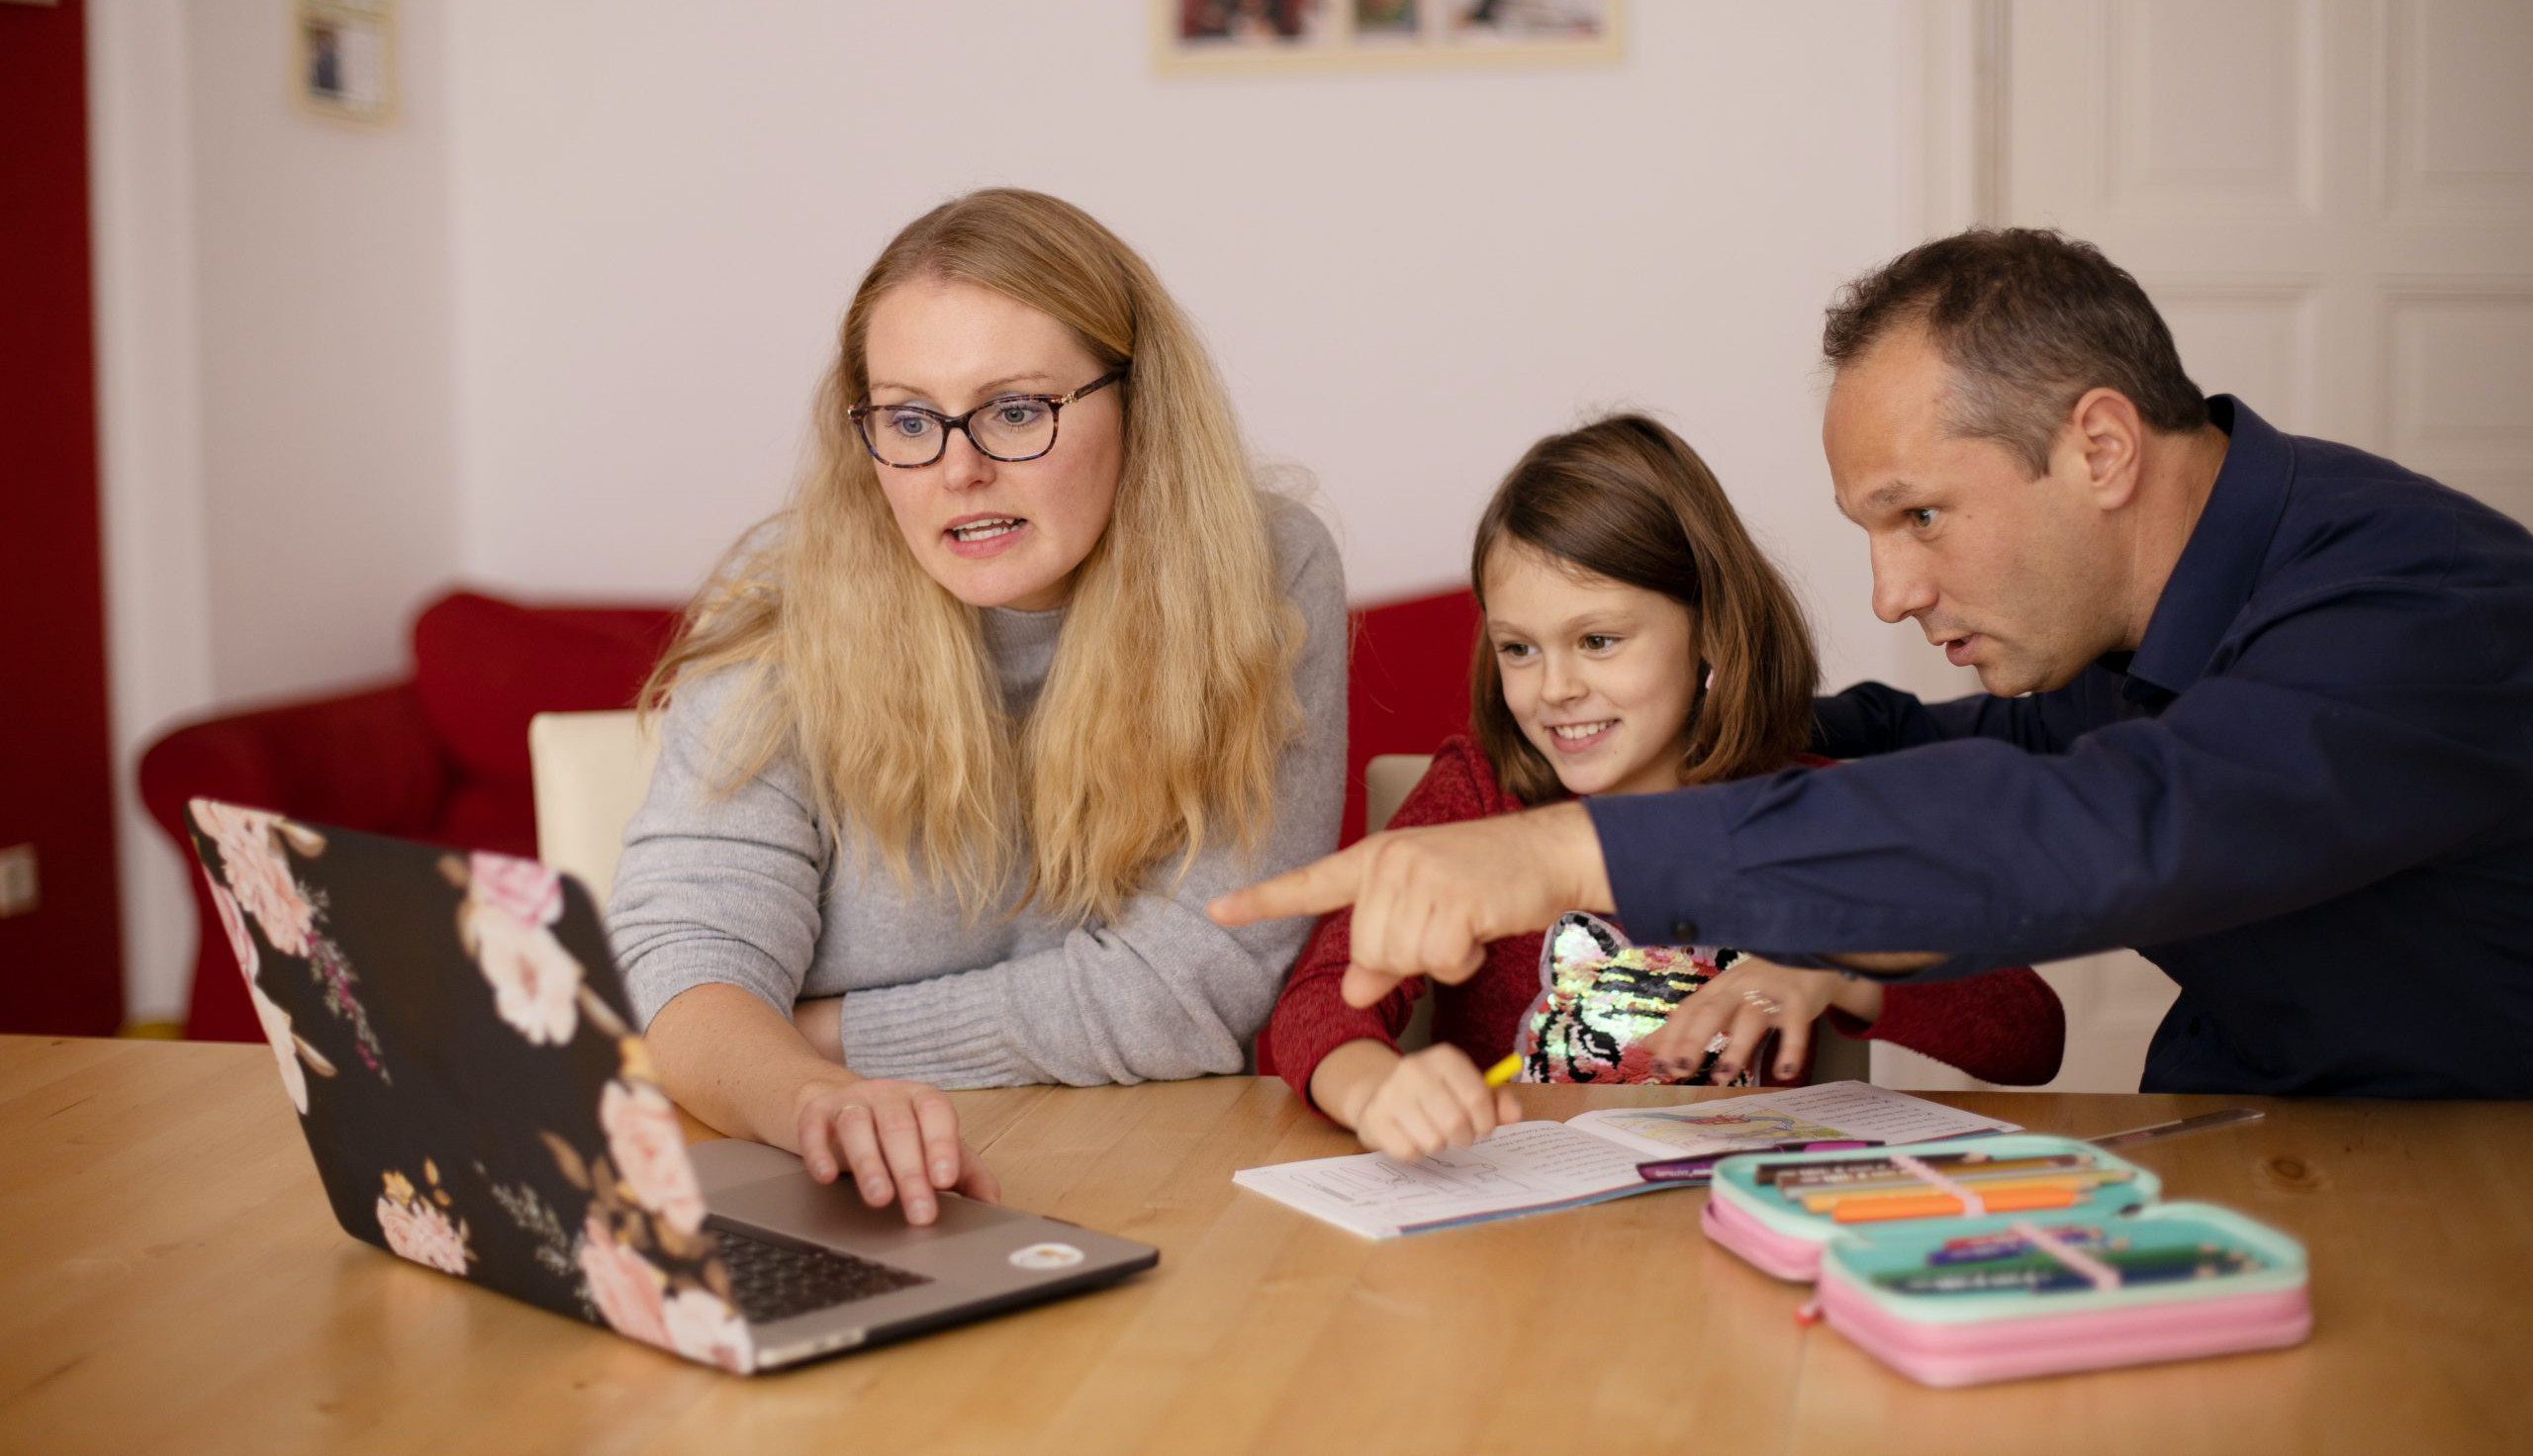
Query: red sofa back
x=1408, y=687
x=483, y=666
x=443, y=756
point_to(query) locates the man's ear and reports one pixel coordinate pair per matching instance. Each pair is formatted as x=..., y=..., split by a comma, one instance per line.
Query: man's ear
x=2107, y=438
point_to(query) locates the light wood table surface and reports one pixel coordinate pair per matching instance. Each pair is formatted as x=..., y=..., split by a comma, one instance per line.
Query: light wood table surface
x=172, y=1281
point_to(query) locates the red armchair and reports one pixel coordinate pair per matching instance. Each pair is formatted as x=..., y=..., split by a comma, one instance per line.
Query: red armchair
x=441, y=756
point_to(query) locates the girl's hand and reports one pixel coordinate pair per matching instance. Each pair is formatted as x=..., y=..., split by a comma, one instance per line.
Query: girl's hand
x=1432, y=1100
x=1749, y=999
x=899, y=1139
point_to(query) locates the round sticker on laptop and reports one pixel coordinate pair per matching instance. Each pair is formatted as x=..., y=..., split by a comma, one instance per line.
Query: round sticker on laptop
x=1046, y=1256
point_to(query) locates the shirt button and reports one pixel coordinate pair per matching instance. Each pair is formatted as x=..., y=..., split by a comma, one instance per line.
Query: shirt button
x=1684, y=932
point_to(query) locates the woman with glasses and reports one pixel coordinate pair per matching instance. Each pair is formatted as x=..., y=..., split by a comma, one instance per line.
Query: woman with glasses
x=954, y=751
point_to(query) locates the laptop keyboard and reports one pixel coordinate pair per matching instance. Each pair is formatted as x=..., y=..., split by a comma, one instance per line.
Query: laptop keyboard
x=776, y=1281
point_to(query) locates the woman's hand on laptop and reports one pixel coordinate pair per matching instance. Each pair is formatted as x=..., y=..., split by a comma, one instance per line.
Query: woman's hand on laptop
x=899, y=1140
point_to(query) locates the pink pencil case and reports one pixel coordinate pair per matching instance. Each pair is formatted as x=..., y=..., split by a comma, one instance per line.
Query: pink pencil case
x=1963, y=1297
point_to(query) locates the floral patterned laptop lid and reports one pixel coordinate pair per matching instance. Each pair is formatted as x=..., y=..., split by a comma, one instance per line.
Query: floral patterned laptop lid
x=450, y=1029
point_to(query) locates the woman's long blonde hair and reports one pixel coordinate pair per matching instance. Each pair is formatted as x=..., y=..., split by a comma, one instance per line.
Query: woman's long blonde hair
x=1170, y=698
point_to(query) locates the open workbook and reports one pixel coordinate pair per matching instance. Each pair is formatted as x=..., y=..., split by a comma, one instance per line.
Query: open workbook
x=1540, y=1167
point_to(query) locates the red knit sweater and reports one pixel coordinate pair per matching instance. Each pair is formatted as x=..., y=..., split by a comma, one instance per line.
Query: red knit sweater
x=2004, y=1026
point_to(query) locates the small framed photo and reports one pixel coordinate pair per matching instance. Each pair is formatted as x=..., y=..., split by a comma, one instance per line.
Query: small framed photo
x=1196, y=35
x=345, y=58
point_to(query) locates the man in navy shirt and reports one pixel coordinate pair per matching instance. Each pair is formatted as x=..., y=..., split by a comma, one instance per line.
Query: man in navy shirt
x=2258, y=706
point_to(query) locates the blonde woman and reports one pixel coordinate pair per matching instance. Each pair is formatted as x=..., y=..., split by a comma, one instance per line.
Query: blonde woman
x=954, y=752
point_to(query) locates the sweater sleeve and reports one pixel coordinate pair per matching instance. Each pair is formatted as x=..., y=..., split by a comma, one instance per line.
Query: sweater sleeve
x=1312, y=1018
x=2004, y=1026
x=1160, y=991
x=712, y=886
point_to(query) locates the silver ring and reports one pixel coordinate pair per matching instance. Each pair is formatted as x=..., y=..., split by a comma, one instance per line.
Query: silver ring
x=1719, y=1041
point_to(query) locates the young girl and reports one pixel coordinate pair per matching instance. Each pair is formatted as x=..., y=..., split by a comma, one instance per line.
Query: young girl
x=1636, y=641
x=1030, y=669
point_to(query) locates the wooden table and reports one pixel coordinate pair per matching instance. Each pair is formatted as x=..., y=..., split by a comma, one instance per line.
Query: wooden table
x=172, y=1281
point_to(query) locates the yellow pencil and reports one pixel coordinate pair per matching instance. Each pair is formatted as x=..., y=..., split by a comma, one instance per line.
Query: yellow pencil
x=1505, y=1070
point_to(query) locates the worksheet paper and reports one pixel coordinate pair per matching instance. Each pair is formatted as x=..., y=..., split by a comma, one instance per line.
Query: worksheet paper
x=1540, y=1167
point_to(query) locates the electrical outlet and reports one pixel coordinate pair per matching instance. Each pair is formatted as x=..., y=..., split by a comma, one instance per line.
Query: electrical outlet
x=17, y=881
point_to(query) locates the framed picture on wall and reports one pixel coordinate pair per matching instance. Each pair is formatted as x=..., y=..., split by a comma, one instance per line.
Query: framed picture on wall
x=343, y=54
x=1265, y=35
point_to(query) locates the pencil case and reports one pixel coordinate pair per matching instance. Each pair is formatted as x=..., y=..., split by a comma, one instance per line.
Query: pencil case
x=2172, y=1282
x=1982, y=1291
x=1749, y=1211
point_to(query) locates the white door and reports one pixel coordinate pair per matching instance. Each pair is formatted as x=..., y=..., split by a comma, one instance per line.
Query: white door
x=2331, y=202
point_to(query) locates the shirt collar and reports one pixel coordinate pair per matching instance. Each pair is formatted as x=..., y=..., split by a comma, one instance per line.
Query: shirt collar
x=2220, y=562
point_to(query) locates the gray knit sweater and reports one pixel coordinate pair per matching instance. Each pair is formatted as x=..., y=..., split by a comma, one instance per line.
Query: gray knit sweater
x=747, y=888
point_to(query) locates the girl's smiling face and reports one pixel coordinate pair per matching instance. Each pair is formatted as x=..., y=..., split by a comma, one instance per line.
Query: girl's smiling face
x=1601, y=676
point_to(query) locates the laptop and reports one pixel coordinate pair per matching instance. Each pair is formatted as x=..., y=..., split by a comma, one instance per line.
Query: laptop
x=452, y=1031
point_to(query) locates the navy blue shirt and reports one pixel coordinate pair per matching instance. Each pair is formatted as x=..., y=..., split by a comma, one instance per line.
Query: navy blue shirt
x=2308, y=797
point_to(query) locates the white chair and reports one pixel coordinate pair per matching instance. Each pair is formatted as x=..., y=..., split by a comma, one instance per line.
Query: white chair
x=589, y=772
x=1386, y=780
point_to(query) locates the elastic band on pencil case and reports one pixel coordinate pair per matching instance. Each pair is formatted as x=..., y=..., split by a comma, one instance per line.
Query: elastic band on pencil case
x=2102, y=1275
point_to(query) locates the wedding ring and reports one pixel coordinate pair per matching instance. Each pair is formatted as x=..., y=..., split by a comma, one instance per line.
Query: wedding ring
x=1719, y=1041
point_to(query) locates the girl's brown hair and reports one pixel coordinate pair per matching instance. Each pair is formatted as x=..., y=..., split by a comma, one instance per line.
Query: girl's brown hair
x=1625, y=499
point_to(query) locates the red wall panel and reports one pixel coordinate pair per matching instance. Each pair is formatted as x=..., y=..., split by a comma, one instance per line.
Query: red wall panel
x=60, y=966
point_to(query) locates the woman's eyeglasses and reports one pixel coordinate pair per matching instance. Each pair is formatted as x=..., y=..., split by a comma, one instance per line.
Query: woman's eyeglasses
x=1009, y=427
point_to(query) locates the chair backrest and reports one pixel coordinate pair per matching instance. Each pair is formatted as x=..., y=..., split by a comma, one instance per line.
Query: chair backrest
x=1386, y=780
x=589, y=771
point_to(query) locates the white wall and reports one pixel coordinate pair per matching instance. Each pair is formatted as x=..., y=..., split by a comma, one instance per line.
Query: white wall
x=329, y=432
x=276, y=388
x=661, y=209
x=556, y=329
x=149, y=443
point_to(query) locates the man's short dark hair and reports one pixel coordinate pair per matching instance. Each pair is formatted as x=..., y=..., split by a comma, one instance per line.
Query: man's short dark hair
x=2029, y=319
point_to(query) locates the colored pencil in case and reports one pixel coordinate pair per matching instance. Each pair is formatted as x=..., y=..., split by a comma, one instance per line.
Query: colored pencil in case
x=2048, y=1281
x=1890, y=1173
x=1879, y=1167
x=1982, y=1248
x=1821, y=1202
x=2007, y=1178
x=1944, y=1205
x=2117, y=1256
x=2054, y=1277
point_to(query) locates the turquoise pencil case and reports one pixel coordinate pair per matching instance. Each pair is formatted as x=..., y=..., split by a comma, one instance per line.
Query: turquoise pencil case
x=1759, y=1204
